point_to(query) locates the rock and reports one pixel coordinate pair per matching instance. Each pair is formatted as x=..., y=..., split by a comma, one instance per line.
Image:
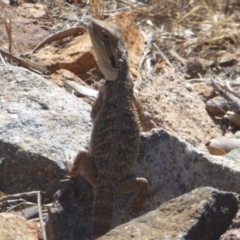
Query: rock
x=70, y=216
x=39, y=124
x=13, y=227
x=172, y=107
x=237, y=134
x=217, y=106
x=203, y=214
x=225, y=143
x=234, y=155
x=172, y=167
x=189, y=87
x=233, y=233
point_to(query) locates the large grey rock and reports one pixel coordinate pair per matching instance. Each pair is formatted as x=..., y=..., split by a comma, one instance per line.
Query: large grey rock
x=203, y=214
x=39, y=124
x=171, y=165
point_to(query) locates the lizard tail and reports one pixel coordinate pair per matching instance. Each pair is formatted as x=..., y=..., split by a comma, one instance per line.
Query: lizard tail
x=102, y=211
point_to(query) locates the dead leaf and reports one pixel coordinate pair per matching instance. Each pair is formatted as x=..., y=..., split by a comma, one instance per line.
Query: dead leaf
x=216, y=151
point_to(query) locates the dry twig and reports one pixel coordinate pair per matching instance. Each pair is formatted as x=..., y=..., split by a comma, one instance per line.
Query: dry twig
x=81, y=90
x=163, y=56
x=233, y=101
x=25, y=63
x=8, y=26
x=40, y=215
x=18, y=195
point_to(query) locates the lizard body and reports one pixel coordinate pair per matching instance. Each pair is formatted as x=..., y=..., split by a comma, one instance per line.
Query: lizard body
x=115, y=137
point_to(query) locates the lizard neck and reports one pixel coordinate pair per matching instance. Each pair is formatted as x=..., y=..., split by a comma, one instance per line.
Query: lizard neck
x=122, y=88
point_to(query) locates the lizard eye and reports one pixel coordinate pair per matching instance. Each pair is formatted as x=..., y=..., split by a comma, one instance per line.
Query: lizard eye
x=105, y=36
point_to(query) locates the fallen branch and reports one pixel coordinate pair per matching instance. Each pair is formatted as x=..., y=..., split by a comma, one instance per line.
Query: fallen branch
x=81, y=90
x=59, y=36
x=25, y=63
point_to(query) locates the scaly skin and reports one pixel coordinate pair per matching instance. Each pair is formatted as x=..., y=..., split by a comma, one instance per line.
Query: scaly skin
x=115, y=138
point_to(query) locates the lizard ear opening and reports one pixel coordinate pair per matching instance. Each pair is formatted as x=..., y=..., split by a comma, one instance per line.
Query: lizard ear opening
x=113, y=62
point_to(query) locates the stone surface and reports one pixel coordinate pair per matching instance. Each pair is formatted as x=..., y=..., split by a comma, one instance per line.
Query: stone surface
x=13, y=227
x=203, y=214
x=171, y=106
x=39, y=125
x=171, y=166
x=234, y=155
x=237, y=134
x=233, y=233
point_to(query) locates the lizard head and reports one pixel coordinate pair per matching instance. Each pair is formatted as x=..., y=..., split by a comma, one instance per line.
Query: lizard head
x=109, y=47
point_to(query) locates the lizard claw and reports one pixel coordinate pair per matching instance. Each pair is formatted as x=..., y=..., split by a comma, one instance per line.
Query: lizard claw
x=68, y=162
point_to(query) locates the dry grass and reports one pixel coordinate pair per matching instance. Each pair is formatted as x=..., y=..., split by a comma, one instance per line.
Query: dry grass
x=212, y=24
x=96, y=8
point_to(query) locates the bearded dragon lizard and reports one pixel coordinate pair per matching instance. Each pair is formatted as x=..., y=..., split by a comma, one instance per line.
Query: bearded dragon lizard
x=115, y=137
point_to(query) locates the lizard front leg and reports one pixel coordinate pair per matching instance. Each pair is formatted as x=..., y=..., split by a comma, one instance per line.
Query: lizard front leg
x=83, y=165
